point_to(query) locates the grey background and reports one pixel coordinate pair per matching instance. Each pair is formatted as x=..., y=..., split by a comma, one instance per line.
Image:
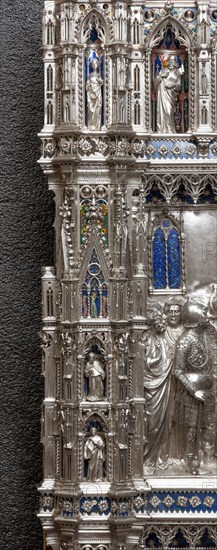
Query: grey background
x=26, y=244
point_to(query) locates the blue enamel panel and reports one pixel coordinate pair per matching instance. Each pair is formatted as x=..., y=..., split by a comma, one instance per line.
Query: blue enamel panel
x=174, y=271
x=159, y=260
x=151, y=502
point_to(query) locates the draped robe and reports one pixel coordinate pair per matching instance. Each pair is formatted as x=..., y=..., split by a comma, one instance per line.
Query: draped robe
x=94, y=100
x=167, y=84
x=94, y=453
x=157, y=382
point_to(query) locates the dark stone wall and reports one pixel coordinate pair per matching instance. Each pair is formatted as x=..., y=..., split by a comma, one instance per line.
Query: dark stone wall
x=26, y=244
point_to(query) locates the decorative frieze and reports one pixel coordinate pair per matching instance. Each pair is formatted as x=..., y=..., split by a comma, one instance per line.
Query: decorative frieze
x=153, y=502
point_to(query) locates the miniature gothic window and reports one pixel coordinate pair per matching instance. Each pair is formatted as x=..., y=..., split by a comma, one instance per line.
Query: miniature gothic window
x=94, y=291
x=204, y=115
x=50, y=311
x=50, y=33
x=66, y=28
x=179, y=540
x=166, y=256
x=120, y=28
x=137, y=113
x=153, y=541
x=49, y=79
x=136, y=32
x=69, y=465
x=94, y=37
x=69, y=389
x=49, y=113
x=170, y=106
x=136, y=79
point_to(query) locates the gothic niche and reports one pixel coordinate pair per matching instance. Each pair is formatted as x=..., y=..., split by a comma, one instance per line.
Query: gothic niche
x=170, y=84
x=95, y=449
x=121, y=347
x=94, y=291
x=94, y=37
x=94, y=373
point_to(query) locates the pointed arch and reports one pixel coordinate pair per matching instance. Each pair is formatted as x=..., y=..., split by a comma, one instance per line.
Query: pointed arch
x=94, y=243
x=136, y=31
x=179, y=30
x=94, y=283
x=50, y=33
x=91, y=421
x=137, y=113
x=94, y=20
x=94, y=341
x=49, y=78
x=94, y=290
x=49, y=113
x=136, y=78
x=66, y=27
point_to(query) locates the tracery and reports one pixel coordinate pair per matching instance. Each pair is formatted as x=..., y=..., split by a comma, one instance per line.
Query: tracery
x=130, y=317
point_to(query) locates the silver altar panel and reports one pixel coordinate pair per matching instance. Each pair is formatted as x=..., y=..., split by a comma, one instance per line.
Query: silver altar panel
x=129, y=147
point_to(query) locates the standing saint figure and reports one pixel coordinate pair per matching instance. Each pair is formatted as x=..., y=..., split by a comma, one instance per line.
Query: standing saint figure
x=174, y=330
x=167, y=85
x=94, y=452
x=94, y=97
x=96, y=374
x=93, y=306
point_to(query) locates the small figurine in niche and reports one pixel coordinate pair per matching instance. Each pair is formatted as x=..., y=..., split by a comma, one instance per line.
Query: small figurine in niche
x=93, y=306
x=94, y=97
x=104, y=303
x=94, y=452
x=167, y=85
x=96, y=374
x=85, y=304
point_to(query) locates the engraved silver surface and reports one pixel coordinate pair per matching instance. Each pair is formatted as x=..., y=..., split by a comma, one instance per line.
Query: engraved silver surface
x=129, y=352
